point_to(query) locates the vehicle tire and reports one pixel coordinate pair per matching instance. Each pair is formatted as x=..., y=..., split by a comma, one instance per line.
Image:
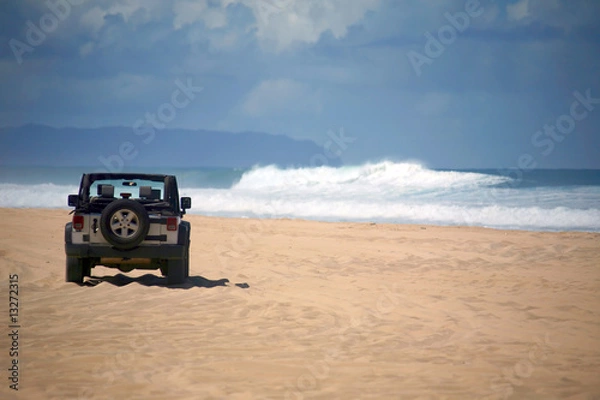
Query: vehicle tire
x=124, y=224
x=184, y=233
x=164, y=270
x=186, y=263
x=86, y=266
x=176, y=272
x=74, y=270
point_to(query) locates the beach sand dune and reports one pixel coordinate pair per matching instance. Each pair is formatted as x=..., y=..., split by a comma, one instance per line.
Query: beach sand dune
x=287, y=309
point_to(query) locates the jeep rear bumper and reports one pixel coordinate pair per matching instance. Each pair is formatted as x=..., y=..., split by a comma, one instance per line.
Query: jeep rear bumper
x=165, y=251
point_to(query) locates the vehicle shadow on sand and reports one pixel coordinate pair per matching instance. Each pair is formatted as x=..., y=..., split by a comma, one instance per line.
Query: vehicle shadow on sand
x=155, y=280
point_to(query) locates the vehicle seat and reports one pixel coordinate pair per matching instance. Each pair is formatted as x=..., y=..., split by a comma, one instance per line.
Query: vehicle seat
x=145, y=192
x=155, y=194
x=106, y=191
x=106, y=194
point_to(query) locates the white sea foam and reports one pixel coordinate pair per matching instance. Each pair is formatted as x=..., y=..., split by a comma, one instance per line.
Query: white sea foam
x=380, y=192
x=398, y=192
x=44, y=195
x=230, y=203
x=383, y=175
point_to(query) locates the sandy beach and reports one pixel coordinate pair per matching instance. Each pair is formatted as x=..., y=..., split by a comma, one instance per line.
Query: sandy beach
x=286, y=309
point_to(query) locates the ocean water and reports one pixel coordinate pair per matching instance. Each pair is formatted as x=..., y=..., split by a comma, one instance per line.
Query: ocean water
x=392, y=192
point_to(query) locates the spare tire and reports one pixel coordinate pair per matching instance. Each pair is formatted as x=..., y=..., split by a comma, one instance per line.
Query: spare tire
x=124, y=224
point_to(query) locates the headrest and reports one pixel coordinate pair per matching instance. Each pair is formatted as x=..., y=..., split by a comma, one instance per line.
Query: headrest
x=146, y=191
x=106, y=190
x=155, y=194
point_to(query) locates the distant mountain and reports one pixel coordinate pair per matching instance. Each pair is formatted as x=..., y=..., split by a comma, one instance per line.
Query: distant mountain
x=115, y=148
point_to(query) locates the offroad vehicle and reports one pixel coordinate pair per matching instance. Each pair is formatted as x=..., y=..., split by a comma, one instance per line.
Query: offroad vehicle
x=140, y=228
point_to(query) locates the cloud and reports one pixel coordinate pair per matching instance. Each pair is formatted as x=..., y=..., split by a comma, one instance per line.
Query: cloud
x=282, y=23
x=554, y=13
x=281, y=96
x=93, y=19
x=518, y=10
x=273, y=65
x=133, y=12
x=189, y=11
x=278, y=24
x=86, y=49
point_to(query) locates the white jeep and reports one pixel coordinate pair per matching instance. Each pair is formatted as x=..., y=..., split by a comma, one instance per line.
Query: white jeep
x=139, y=228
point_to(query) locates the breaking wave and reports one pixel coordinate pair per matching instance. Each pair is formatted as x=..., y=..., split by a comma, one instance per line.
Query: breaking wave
x=379, y=192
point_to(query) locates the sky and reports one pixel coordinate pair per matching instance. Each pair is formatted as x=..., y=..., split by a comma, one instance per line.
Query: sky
x=451, y=84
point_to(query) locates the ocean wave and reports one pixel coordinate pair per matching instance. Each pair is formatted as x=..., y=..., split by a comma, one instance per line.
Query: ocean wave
x=531, y=217
x=44, y=195
x=378, y=192
x=383, y=175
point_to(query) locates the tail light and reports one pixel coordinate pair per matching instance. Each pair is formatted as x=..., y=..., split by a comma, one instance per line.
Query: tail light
x=78, y=222
x=172, y=224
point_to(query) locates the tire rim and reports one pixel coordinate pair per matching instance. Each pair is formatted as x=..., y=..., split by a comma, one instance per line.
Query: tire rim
x=124, y=224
